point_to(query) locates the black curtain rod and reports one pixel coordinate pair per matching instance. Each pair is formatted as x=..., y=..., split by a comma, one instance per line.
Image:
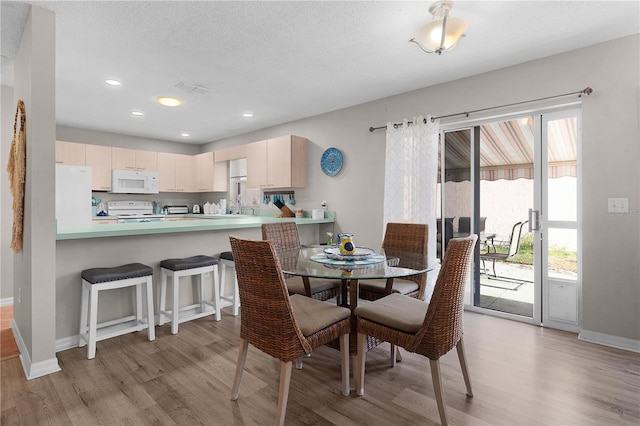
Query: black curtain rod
x=586, y=91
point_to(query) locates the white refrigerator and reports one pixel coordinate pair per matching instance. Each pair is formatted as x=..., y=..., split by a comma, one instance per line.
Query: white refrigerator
x=73, y=195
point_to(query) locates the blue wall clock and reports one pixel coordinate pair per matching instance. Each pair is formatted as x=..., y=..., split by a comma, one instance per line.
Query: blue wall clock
x=331, y=161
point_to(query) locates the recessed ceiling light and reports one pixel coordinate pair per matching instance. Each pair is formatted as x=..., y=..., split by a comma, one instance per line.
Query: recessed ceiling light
x=113, y=82
x=248, y=115
x=185, y=135
x=137, y=113
x=168, y=101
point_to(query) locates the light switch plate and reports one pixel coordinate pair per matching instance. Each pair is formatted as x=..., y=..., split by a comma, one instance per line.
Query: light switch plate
x=618, y=205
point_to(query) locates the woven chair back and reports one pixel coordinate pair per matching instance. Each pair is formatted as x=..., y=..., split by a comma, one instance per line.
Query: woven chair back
x=283, y=235
x=408, y=237
x=442, y=327
x=267, y=321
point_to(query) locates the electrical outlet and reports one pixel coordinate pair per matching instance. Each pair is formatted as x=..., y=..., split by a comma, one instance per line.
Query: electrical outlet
x=618, y=205
x=324, y=204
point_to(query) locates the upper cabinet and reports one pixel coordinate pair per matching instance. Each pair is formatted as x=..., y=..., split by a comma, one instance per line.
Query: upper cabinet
x=274, y=163
x=175, y=172
x=210, y=175
x=98, y=157
x=184, y=173
x=233, y=153
x=277, y=163
x=134, y=159
x=166, y=172
x=257, y=164
x=70, y=153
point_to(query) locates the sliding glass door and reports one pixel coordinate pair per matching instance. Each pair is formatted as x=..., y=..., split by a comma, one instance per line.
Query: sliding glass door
x=513, y=182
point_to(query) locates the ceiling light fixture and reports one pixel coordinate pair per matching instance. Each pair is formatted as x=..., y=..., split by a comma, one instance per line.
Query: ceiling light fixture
x=168, y=101
x=247, y=115
x=443, y=32
x=112, y=82
x=185, y=135
x=137, y=113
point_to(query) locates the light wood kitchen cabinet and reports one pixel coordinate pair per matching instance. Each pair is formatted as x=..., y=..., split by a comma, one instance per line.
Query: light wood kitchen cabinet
x=277, y=163
x=233, y=153
x=98, y=157
x=210, y=175
x=184, y=173
x=166, y=172
x=134, y=159
x=70, y=153
x=175, y=172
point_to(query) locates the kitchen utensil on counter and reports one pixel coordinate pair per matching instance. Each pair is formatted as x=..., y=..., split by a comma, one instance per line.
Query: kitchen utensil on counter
x=177, y=209
x=286, y=211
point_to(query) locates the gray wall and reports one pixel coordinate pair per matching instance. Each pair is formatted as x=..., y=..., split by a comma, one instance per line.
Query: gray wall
x=6, y=255
x=610, y=154
x=34, y=280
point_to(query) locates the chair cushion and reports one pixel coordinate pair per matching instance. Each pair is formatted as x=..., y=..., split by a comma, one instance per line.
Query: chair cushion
x=313, y=315
x=117, y=273
x=188, y=263
x=395, y=311
x=296, y=285
x=227, y=255
x=399, y=286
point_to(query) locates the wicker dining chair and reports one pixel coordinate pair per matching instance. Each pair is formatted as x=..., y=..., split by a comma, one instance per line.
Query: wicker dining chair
x=430, y=329
x=285, y=238
x=285, y=327
x=407, y=238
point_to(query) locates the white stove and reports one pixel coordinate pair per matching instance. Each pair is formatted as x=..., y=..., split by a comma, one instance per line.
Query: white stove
x=133, y=211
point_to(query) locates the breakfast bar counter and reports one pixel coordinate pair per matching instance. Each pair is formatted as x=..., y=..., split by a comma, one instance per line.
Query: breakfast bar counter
x=174, y=224
x=107, y=245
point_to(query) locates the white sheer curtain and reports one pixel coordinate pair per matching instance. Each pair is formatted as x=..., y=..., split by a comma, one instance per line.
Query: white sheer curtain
x=411, y=168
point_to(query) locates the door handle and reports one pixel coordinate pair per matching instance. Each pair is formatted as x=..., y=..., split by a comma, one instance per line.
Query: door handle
x=534, y=225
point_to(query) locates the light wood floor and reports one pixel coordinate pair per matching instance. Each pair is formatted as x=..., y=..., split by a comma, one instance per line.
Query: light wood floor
x=522, y=375
x=8, y=346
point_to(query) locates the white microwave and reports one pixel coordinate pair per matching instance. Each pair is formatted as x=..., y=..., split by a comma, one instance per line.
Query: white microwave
x=133, y=182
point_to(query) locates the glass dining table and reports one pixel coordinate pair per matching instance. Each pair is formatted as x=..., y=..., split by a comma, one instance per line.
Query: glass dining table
x=315, y=262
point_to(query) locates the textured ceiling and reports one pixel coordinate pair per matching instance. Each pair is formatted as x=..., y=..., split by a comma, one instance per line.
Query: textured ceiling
x=281, y=61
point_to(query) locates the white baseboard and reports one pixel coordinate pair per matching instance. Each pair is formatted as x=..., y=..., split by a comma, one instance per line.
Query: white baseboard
x=67, y=343
x=610, y=340
x=6, y=302
x=33, y=370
